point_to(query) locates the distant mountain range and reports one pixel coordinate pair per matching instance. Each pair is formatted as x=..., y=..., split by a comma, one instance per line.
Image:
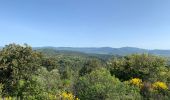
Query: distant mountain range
x=108, y=50
x=102, y=50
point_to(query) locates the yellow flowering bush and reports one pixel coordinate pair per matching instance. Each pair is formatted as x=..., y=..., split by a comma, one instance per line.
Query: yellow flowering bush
x=68, y=96
x=160, y=85
x=136, y=81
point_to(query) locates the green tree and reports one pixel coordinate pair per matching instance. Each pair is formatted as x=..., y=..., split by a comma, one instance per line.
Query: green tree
x=17, y=63
x=50, y=80
x=50, y=63
x=144, y=66
x=100, y=85
x=90, y=66
x=32, y=89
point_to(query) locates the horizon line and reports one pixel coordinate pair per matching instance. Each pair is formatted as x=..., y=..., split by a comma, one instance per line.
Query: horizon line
x=97, y=47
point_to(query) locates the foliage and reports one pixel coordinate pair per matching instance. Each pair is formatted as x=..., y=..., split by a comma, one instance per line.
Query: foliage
x=144, y=66
x=1, y=87
x=49, y=80
x=50, y=63
x=26, y=74
x=99, y=84
x=137, y=82
x=160, y=86
x=33, y=90
x=90, y=66
x=68, y=96
x=17, y=63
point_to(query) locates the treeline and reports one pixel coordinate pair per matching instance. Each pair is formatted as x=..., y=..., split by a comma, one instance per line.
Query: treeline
x=26, y=74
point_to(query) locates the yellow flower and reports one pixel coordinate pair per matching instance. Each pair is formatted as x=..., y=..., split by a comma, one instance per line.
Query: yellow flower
x=160, y=85
x=68, y=96
x=136, y=81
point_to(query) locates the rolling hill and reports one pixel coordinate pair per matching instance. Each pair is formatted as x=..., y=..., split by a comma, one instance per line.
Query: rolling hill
x=105, y=50
x=100, y=51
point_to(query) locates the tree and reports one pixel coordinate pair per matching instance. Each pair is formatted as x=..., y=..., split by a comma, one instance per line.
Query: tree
x=143, y=66
x=17, y=63
x=50, y=80
x=90, y=66
x=50, y=63
x=100, y=85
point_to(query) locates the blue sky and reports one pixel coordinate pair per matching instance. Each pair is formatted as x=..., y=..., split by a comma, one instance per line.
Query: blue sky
x=86, y=23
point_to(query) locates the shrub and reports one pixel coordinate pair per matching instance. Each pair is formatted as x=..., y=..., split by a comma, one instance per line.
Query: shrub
x=68, y=96
x=155, y=91
x=89, y=66
x=49, y=80
x=137, y=82
x=100, y=85
x=144, y=66
x=17, y=63
x=160, y=86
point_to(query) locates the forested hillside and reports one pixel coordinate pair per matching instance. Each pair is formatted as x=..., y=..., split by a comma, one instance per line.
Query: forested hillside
x=28, y=73
x=108, y=50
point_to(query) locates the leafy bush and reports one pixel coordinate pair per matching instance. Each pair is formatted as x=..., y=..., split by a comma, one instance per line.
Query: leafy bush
x=144, y=66
x=100, y=85
x=28, y=75
x=137, y=82
x=17, y=63
x=50, y=81
x=68, y=96
x=160, y=86
x=89, y=66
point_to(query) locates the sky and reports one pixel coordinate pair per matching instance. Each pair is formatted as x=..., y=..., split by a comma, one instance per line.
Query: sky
x=86, y=23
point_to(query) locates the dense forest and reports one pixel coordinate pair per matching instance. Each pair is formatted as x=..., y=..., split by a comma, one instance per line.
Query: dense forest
x=45, y=74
